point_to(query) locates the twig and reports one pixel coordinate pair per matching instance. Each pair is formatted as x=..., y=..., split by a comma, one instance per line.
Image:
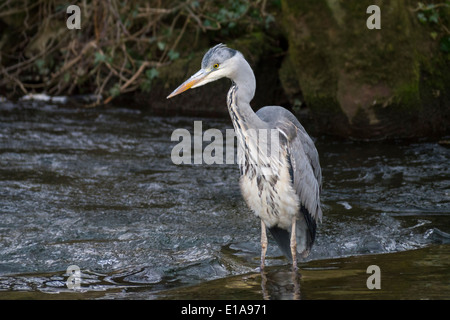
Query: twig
x=135, y=76
x=19, y=83
x=430, y=7
x=75, y=60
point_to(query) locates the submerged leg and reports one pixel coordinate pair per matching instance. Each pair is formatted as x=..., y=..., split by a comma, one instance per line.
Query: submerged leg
x=263, y=244
x=294, y=244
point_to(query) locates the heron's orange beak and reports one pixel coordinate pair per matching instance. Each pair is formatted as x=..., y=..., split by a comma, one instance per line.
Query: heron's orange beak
x=193, y=81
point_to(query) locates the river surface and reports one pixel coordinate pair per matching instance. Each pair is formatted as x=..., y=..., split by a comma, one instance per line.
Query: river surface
x=97, y=188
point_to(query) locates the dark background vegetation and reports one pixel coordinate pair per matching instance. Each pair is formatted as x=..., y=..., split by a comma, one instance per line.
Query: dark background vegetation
x=316, y=58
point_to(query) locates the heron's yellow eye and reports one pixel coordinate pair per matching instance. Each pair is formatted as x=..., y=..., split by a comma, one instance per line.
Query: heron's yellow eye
x=215, y=66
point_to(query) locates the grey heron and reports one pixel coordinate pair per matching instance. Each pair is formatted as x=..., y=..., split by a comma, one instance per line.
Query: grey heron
x=282, y=188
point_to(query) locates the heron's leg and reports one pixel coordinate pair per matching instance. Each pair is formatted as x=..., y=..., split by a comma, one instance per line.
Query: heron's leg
x=294, y=244
x=263, y=244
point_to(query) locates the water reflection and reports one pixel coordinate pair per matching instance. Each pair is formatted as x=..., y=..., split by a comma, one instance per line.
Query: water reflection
x=280, y=285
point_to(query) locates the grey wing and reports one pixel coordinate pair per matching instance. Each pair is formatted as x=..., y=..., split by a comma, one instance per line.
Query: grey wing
x=306, y=174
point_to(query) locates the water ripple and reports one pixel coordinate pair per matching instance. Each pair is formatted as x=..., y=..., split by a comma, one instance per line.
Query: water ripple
x=97, y=188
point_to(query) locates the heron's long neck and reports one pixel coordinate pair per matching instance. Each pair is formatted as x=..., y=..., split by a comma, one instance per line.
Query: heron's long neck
x=239, y=96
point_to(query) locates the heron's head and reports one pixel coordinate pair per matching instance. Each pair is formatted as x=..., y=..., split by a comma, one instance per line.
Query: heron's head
x=218, y=62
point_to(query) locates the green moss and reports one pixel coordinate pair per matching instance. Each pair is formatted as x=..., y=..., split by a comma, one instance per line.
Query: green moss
x=253, y=46
x=407, y=97
x=288, y=78
x=323, y=104
x=344, y=68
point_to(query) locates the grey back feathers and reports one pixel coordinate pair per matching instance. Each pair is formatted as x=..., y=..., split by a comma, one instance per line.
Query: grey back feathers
x=307, y=179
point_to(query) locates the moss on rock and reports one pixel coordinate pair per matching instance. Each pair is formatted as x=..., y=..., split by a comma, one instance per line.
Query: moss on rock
x=362, y=82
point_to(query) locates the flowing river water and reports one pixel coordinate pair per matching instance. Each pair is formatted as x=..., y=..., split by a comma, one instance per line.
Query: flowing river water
x=97, y=188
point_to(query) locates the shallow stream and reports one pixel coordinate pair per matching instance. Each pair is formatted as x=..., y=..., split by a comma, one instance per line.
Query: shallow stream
x=96, y=188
